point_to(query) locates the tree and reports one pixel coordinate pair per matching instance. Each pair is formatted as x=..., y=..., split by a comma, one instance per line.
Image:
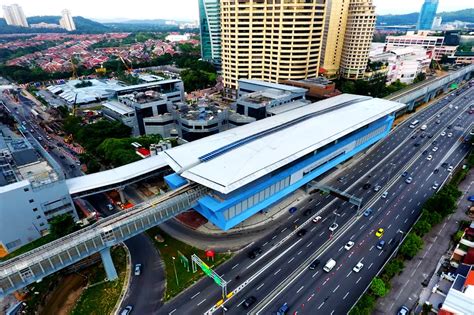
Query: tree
x=419, y=77
x=444, y=59
x=393, y=268
x=62, y=225
x=364, y=306
x=378, y=287
x=421, y=228
x=412, y=244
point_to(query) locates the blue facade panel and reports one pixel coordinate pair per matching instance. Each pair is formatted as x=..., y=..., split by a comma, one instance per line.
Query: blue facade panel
x=175, y=180
x=215, y=209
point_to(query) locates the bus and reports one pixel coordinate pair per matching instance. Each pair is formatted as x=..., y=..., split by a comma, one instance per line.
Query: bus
x=414, y=124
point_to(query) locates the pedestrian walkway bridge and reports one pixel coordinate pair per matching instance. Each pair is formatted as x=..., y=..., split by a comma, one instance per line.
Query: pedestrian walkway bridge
x=34, y=265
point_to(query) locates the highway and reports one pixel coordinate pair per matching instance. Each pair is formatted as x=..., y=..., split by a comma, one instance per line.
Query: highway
x=283, y=252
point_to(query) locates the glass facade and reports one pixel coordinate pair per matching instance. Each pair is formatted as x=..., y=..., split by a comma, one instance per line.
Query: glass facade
x=427, y=14
x=209, y=20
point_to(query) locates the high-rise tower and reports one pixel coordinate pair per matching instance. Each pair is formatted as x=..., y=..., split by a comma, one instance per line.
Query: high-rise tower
x=271, y=40
x=66, y=21
x=427, y=15
x=14, y=15
x=210, y=25
x=360, y=28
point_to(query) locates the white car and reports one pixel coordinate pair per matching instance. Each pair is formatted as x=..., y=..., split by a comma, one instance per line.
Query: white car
x=138, y=269
x=349, y=245
x=435, y=185
x=450, y=135
x=434, y=149
x=450, y=168
x=358, y=267
x=429, y=157
x=317, y=219
x=443, y=134
x=333, y=227
x=384, y=195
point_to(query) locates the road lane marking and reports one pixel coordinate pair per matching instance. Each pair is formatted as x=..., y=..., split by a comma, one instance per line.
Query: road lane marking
x=291, y=259
x=172, y=312
x=264, y=244
x=309, y=244
x=397, y=216
x=274, y=237
x=201, y=302
x=260, y=286
x=405, y=220
x=299, y=252
x=321, y=305
x=371, y=248
x=276, y=272
x=381, y=252
x=350, y=272
x=389, y=226
x=235, y=266
x=321, y=234
x=370, y=265
x=296, y=220
x=333, y=291
x=340, y=249
x=345, y=296
x=300, y=289
x=283, y=230
x=314, y=228
x=192, y=297
x=358, y=280
x=315, y=274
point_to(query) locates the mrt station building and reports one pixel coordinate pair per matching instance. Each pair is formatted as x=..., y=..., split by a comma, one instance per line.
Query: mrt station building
x=252, y=167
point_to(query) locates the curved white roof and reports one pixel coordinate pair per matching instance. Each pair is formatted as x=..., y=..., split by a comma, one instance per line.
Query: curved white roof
x=248, y=161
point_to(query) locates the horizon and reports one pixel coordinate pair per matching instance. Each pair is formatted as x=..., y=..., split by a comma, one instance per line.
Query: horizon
x=187, y=10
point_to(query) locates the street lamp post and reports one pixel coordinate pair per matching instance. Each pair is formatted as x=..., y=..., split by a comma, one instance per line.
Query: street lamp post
x=175, y=273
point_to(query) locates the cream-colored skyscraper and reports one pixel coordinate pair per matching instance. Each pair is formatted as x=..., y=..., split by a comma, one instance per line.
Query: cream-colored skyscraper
x=333, y=42
x=66, y=21
x=360, y=28
x=271, y=40
x=14, y=15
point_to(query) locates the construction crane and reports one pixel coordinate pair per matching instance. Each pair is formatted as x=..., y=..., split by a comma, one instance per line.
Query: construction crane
x=129, y=67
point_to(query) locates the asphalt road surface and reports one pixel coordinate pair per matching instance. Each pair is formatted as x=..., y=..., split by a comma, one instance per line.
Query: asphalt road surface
x=284, y=252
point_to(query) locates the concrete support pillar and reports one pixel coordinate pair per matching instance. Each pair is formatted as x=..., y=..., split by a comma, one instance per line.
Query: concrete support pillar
x=411, y=105
x=122, y=196
x=108, y=264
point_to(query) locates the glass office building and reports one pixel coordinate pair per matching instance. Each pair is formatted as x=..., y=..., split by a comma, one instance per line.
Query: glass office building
x=427, y=15
x=210, y=24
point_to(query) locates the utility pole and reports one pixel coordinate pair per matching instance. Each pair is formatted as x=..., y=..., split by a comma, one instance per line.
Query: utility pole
x=175, y=273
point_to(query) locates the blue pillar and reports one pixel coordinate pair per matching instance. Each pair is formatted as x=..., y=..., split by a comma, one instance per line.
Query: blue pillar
x=108, y=264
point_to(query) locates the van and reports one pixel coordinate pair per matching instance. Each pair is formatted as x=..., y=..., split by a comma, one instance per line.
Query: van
x=329, y=265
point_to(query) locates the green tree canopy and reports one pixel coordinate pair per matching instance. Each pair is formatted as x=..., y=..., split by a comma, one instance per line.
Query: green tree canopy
x=412, y=244
x=378, y=287
x=62, y=225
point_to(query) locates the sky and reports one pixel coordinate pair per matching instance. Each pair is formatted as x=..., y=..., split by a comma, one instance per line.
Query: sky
x=104, y=10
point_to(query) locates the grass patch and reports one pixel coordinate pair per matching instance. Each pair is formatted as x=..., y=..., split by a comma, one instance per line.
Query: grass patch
x=30, y=246
x=101, y=298
x=38, y=292
x=168, y=249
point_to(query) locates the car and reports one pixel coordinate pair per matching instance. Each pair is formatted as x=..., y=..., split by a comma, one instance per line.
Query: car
x=283, y=309
x=436, y=171
x=292, y=210
x=442, y=134
x=449, y=127
x=424, y=152
x=377, y=187
x=301, y=232
x=409, y=180
x=450, y=168
x=254, y=252
x=434, y=149
x=110, y=207
x=307, y=212
x=358, y=267
x=138, y=269
x=434, y=142
x=366, y=186
x=40, y=138
x=379, y=232
x=384, y=195
x=439, y=115
x=403, y=310
x=435, y=185
x=423, y=135
x=333, y=227
x=48, y=137
x=127, y=310
x=405, y=174
x=368, y=212
x=470, y=198
x=438, y=121
x=340, y=179
x=430, y=136
x=62, y=157
x=314, y=264
x=450, y=135
x=429, y=157
x=416, y=145
x=455, y=107
x=249, y=301
x=316, y=219
x=413, y=137
x=445, y=164
x=381, y=244
x=349, y=245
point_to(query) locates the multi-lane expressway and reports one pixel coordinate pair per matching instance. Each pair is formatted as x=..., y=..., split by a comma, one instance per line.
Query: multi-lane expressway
x=268, y=276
